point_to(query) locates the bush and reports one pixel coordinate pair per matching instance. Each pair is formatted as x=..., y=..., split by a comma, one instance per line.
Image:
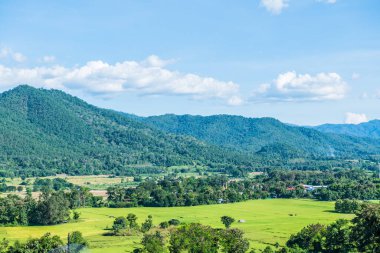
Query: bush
x=174, y=222
x=164, y=224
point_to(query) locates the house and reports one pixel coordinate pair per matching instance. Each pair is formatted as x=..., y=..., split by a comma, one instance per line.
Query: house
x=312, y=187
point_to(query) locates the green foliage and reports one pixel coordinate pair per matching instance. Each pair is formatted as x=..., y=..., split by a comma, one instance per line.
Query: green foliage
x=4, y=243
x=51, y=184
x=76, y=215
x=233, y=241
x=76, y=242
x=125, y=225
x=197, y=238
x=338, y=237
x=309, y=238
x=362, y=235
x=266, y=136
x=366, y=228
x=52, y=208
x=119, y=224
x=369, y=129
x=132, y=221
x=227, y=221
x=174, y=222
x=44, y=132
x=153, y=243
x=194, y=238
x=13, y=211
x=44, y=244
x=164, y=224
x=347, y=206
x=147, y=224
x=47, y=243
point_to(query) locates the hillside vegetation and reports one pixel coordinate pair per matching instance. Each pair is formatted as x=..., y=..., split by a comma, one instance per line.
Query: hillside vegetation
x=369, y=129
x=265, y=136
x=44, y=132
x=49, y=131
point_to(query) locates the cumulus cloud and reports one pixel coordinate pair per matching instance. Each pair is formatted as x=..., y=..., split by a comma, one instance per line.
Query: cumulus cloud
x=7, y=53
x=146, y=77
x=355, y=118
x=291, y=86
x=274, y=6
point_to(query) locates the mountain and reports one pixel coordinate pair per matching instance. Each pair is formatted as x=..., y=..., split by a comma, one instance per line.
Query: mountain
x=48, y=131
x=369, y=129
x=264, y=136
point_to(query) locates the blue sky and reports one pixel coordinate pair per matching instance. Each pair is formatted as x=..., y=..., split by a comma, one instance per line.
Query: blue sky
x=302, y=61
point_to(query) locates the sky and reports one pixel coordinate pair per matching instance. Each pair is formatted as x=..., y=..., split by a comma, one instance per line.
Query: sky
x=304, y=62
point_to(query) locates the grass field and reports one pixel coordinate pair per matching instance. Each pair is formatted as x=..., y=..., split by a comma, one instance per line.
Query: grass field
x=267, y=221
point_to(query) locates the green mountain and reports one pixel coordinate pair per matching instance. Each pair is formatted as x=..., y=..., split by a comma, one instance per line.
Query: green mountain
x=264, y=136
x=369, y=129
x=48, y=131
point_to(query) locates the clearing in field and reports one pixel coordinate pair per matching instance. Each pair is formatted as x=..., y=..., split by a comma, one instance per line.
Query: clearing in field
x=266, y=221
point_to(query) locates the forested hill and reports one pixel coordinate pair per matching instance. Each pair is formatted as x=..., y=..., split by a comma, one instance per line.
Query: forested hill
x=265, y=136
x=369, y=129
x=49, y=131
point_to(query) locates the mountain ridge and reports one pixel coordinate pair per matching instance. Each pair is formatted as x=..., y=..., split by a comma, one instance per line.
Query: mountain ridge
x=370, y=129
x=254, y=134
x=50, y=130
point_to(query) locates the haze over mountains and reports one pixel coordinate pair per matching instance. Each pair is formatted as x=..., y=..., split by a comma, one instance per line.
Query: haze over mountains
x=369, y=129
x=49, y=130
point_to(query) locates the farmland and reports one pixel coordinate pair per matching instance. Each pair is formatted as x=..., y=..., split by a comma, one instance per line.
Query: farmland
x=266, y=221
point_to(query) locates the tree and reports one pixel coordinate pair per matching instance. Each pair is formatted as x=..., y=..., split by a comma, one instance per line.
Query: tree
x=120, y=223
x=153, y=243
x=76, y=215
x=52, y=208
x=366, y=228
x=164, y=224
x=132, y=218
x=147, y=225
x=174, y=222
x=233, y=241
x=309, y=238
x=46, y=243
x=227, y=221
x=195, y=238
x=76, y=242
x=337, y=237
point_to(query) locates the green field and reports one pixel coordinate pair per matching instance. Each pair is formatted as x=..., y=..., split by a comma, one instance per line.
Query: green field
x=267, y=221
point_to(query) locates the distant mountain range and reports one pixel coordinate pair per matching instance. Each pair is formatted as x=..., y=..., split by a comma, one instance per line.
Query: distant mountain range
x=264, y=135
x=49, y=131
x=369, y=129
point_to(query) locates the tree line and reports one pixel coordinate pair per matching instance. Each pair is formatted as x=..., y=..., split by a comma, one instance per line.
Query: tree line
x=47, y=243
x=179, y=191
x=52, y=207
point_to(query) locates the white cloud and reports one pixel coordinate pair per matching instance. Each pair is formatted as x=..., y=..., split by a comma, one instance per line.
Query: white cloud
x=274, y=6
x=291, y=86
x=7, y=53
x=355, y=76
x=328, y=1
x=146, y=77
x=355, y=118
x=48, y=59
